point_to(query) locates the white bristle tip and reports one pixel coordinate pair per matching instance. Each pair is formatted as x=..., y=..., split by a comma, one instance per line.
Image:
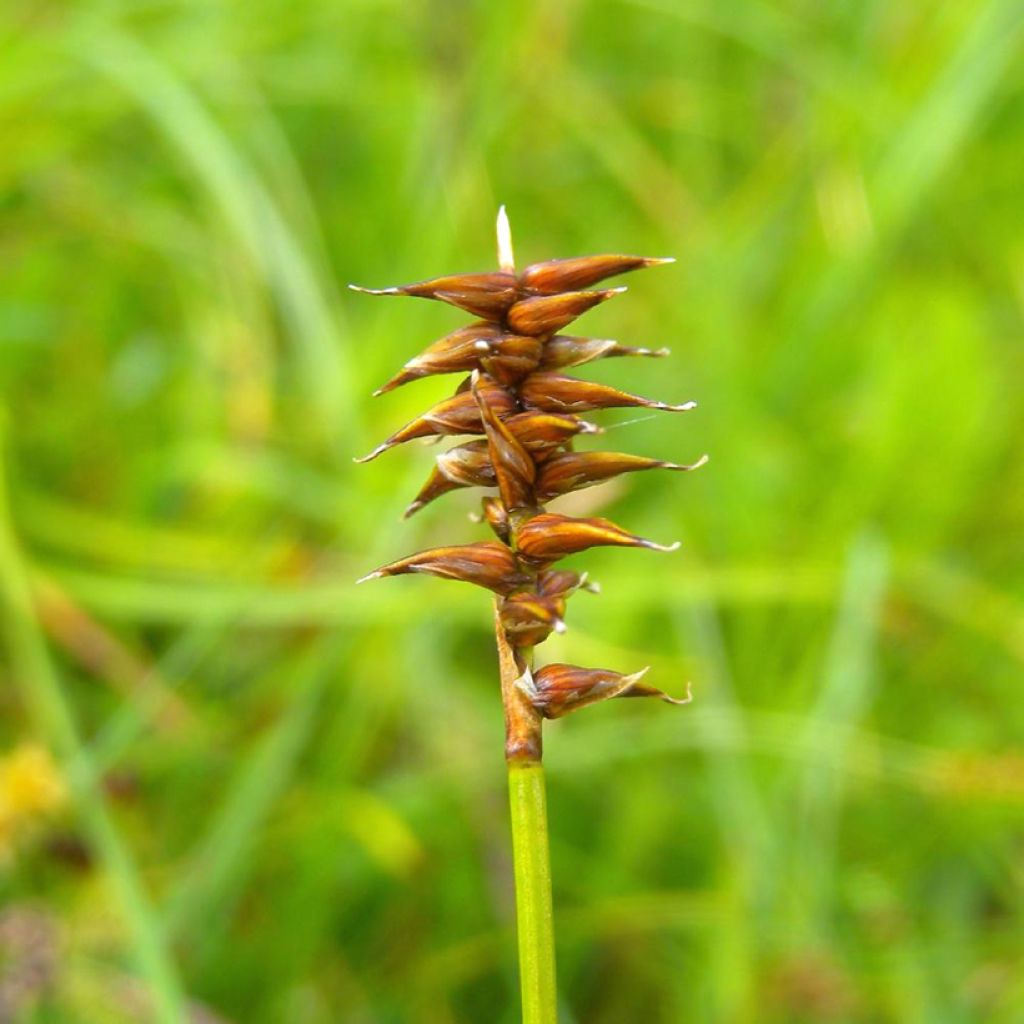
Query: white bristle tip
x=506, y=257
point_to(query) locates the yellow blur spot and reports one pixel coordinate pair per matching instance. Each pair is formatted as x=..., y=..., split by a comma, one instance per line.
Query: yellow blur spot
x=382, y=832
x=31, y=786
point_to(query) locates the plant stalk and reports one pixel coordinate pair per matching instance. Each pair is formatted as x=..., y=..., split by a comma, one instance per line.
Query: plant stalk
x=530, y=853
x=532, y=868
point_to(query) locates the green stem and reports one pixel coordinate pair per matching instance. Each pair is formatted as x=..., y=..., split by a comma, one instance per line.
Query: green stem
x=532, y=868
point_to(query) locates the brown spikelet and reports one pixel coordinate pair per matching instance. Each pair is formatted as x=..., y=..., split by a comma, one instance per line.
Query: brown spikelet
x=487, y=564
x=436, y=485
x=539, y=431
x=530, y=618
x=581, y=271
x=495, y=515
x=566, y=350
x=561, y=582
x=466, y=465
x=569, y=471
x=547, y=313
x=548, y=537
x=460, y=351
x=528, y=414
x=459, y=414
x=512, y=357
x=485, y=295
x=557, y=690
x=514, y=469
x=554, y=393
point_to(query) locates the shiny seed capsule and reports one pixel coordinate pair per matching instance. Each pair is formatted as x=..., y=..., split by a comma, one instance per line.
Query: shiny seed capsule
x=487, y=564
x=549, y=537
x=529, y=618
x=496, y=516
x=539, y=431
x=466, y=465
x=459, y=414
x=561, y=582
x=486, y=295
x=556, y=690
x=511, y=357
x=547, y=313
x=552, y=392
x=460, y=351
x=564, y=350
x=571, y=471
x=578, y=272
x=514, y=469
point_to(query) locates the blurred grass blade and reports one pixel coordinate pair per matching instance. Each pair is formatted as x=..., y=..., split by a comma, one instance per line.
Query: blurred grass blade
x=248, y=208
x=842, y=701
x=125, y=727
x=43, y=695
x=217, y=866
x=921, y=151
x=746, y=836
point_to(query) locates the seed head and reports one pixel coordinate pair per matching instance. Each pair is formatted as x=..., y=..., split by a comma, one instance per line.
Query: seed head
x=527, y=413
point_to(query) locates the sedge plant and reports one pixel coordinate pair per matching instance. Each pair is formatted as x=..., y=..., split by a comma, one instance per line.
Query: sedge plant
x=523, y=412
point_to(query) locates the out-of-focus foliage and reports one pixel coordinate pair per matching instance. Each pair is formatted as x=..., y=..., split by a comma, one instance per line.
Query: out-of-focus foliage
x=285, y=796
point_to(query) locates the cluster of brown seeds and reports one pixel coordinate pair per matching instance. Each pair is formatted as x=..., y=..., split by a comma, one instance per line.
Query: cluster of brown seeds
x=527, y=410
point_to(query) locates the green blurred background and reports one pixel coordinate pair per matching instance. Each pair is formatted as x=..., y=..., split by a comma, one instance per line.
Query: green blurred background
x=285, y=798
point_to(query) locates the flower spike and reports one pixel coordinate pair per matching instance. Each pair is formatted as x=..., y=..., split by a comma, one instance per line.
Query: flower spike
x=516, y=396
x=528, y=414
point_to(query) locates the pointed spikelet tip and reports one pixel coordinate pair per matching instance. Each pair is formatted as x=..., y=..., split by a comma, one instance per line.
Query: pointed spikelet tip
x=680, y=700
x=506, y=257
x=667, y=548
x=374, y=291
x=687, y=467
x=370, y=456
x=635, y=677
